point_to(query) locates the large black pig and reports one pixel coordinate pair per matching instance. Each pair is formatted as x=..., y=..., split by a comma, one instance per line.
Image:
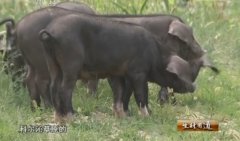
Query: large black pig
x=80, y=46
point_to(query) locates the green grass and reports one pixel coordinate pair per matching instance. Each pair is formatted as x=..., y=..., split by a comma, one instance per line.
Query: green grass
x=217, y=97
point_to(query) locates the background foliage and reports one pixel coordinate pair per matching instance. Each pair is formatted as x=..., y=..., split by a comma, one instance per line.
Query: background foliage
x=216, y=27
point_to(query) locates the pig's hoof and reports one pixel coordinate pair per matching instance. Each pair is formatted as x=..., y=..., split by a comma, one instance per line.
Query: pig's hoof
x=163, y=96
x=63, y=119
x=57, y=118
x=163, y=101
x=173, y=98
x=128, y=113
x=34, y=105
x=144, y=111
x=120, y=114
x=118, y=110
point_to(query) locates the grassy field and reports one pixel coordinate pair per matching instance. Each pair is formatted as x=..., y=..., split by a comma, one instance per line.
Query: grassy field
x=217, y=97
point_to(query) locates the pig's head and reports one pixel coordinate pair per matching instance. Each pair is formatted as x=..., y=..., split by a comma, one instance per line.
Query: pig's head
x=181, y=74
x=181, y=39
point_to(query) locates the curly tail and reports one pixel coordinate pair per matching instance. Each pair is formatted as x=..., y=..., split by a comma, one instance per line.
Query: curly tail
x=8, y=20
x=48, y=42
x=10, y=34
x=45, y=36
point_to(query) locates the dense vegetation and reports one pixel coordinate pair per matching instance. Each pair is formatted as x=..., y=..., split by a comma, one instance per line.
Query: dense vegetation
x=216, y=27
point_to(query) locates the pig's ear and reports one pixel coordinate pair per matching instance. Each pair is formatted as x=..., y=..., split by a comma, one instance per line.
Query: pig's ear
x=179, y=67
x=181, y=30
